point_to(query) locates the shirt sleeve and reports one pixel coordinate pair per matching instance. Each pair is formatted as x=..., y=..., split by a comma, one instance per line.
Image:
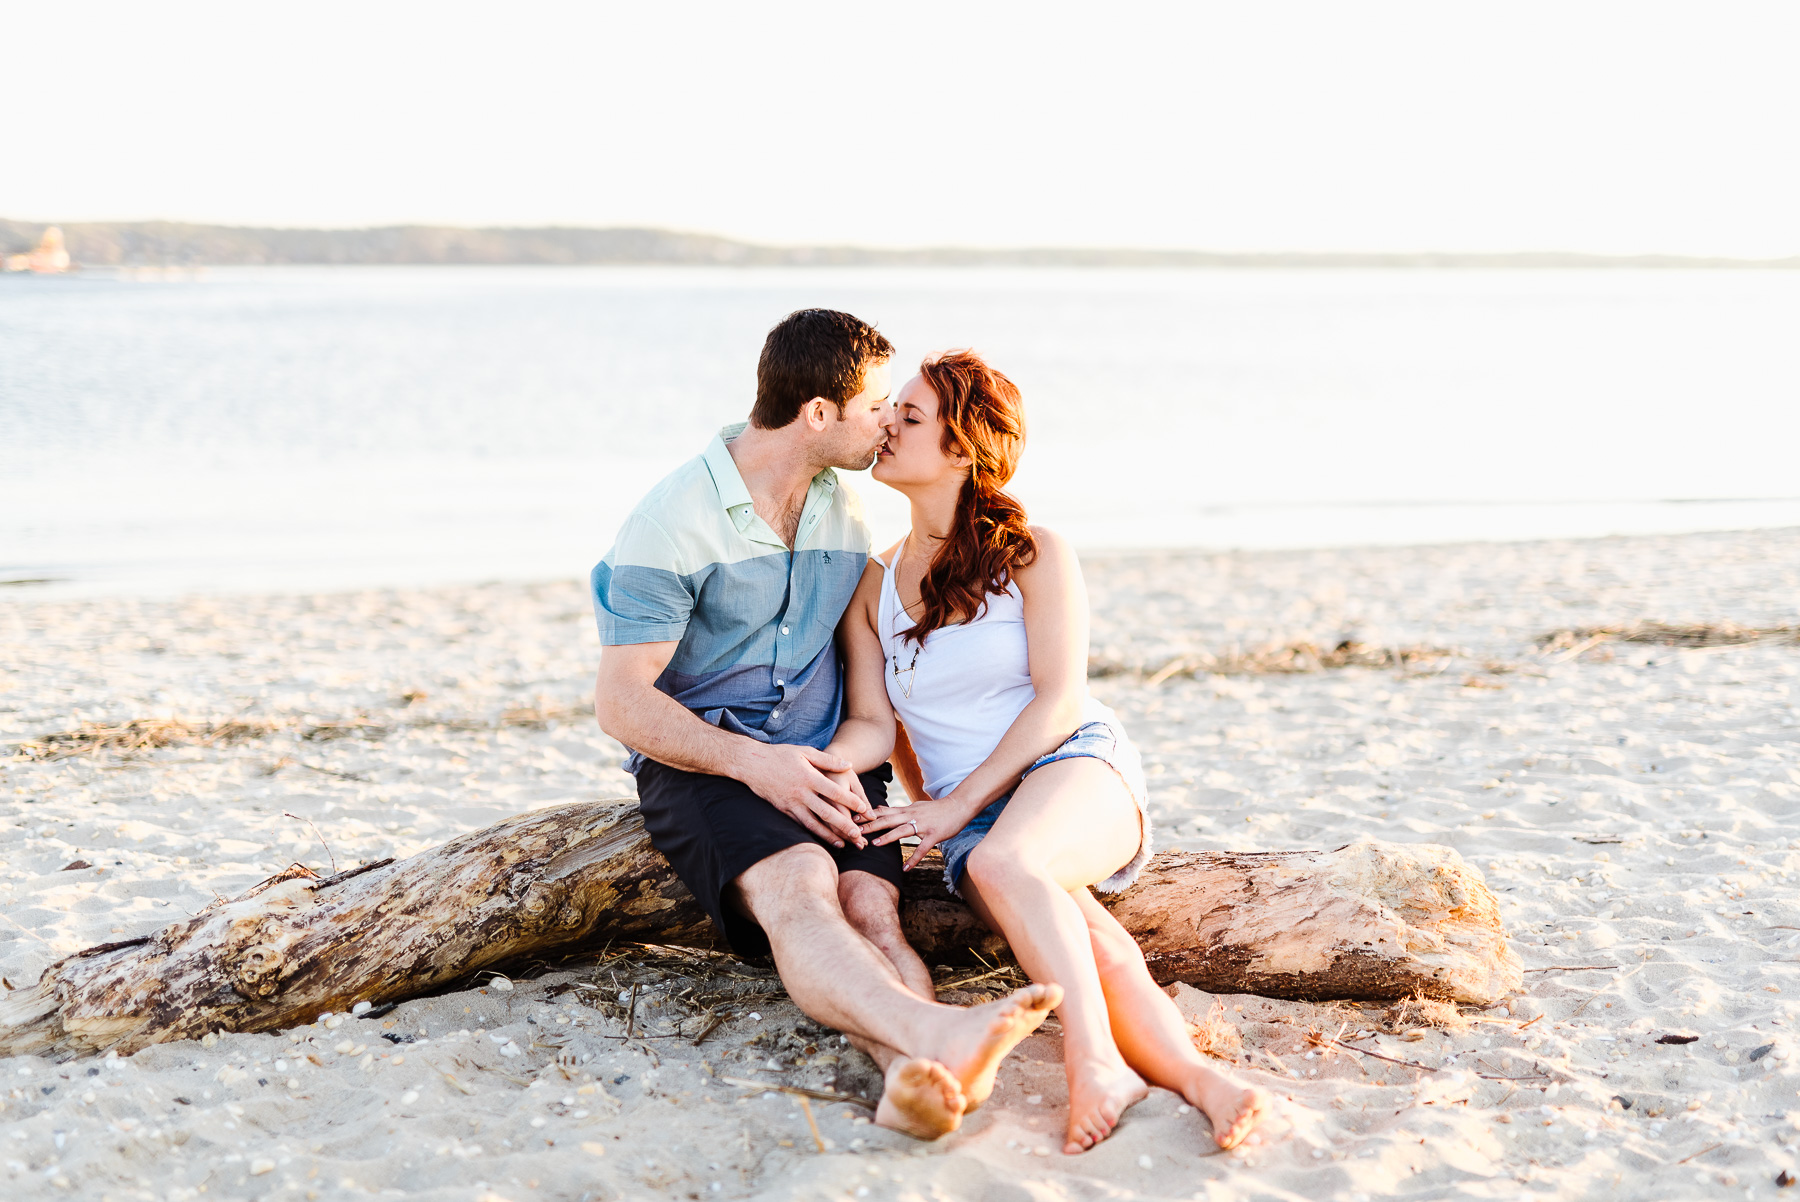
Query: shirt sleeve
x=640, y=593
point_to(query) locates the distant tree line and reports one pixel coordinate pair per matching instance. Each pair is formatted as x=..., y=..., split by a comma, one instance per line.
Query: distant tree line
x=178, y=244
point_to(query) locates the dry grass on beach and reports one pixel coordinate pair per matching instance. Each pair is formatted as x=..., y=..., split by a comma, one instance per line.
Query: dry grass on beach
x=1288, y=659
x=1608, y=729
x=138, y=735
x=1666, y=634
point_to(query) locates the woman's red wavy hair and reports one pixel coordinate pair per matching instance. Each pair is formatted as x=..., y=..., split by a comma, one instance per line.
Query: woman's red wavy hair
x=984, y=421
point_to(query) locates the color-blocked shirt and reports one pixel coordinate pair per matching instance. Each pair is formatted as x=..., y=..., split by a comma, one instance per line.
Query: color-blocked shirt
x=753, y=622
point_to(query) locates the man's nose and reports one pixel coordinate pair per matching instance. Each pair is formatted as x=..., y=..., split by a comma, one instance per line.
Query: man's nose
x=889, y=414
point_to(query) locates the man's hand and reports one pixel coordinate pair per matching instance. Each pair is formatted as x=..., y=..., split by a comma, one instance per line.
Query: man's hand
x=807, y=785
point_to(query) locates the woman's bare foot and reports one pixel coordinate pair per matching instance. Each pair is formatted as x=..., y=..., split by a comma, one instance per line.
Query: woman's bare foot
x=921, y=1098
x=973, y=1046
x=1098, y=1095
x=1233, y=1108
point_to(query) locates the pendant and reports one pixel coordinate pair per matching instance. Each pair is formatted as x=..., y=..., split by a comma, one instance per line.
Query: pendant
x=904, y=677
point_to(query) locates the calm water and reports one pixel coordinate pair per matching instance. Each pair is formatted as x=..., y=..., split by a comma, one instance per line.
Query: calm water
x=336, y=427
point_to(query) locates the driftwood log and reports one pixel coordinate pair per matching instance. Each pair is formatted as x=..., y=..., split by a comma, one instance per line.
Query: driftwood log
x=1367, y=921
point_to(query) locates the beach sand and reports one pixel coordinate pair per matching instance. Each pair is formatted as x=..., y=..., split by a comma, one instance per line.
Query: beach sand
x=1635, y=806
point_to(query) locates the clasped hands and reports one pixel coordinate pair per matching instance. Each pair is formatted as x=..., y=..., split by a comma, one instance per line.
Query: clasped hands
x=815, y=788
x=932, y=821
x=821, y=792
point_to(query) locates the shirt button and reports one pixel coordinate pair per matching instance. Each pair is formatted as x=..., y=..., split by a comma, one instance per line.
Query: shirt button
x=780, y=683
x=784, y=630
x=776, y=714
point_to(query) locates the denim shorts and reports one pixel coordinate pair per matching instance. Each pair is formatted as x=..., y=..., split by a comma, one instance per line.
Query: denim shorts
x=1102, y=741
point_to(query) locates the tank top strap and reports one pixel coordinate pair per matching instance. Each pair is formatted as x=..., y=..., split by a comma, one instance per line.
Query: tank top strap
x=889, y=600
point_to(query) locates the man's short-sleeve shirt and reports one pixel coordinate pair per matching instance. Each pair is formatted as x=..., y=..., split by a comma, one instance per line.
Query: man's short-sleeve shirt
x=752, y=621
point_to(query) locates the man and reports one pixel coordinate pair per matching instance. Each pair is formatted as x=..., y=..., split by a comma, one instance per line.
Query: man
x=717, y=608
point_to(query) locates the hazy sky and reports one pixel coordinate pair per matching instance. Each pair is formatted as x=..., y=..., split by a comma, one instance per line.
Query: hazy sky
x=1617, y=127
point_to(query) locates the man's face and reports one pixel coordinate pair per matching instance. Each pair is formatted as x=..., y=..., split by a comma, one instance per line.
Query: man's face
x=850, y=442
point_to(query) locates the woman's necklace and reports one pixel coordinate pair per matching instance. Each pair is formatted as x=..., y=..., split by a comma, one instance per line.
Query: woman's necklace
x=904, y=676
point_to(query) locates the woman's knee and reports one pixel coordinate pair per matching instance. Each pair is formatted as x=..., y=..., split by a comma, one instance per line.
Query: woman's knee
x=996, y=866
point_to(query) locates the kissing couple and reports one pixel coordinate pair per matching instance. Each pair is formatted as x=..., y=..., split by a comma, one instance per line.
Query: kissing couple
x=769, y=676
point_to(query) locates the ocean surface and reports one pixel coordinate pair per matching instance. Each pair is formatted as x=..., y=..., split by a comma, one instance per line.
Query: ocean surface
x=329, y=428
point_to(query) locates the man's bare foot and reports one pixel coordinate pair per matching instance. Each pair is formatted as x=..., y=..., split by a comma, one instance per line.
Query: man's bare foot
x=978, y=1039
x=1098, y=1095
x=1233, y=1108
x=921, y=1098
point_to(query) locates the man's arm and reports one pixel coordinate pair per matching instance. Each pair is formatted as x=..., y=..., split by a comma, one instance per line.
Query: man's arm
x=789, y=777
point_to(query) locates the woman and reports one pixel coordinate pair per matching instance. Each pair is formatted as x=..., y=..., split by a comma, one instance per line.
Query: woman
x=974, y=629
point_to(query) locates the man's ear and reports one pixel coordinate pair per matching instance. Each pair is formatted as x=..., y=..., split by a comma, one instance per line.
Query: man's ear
x=816, y=413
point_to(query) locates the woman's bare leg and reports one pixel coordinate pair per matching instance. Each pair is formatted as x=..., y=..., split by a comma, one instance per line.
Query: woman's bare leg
x=1153, y=1037
x=1069, y=824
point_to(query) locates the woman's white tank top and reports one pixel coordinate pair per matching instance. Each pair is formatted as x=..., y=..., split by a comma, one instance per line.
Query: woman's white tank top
x=959, y=690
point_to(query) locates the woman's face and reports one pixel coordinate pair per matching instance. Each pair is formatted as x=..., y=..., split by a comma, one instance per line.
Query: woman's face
x=913, y=455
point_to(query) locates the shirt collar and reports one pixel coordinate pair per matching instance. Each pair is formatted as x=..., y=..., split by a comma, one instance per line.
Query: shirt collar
x=734, y=498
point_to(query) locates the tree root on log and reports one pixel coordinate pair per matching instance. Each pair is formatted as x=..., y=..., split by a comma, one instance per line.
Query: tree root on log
x=1368, y=921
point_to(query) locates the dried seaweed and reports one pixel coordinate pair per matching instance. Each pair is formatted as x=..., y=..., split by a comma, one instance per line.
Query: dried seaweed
x=355, y=728
x=542, y=716
x=1286, y=659
x=1411, y=1013
x=1574, y=640
x=138, y=736
x=1217, y=1036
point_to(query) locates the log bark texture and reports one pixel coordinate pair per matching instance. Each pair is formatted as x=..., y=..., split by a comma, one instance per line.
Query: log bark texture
x=1366, y=921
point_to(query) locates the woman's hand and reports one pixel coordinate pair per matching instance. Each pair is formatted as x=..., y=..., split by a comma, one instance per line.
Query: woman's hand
x=932, y=821
x=849, y=779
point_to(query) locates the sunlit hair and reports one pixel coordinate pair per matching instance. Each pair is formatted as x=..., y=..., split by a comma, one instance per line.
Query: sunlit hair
x=814, y=353
x=984, y=421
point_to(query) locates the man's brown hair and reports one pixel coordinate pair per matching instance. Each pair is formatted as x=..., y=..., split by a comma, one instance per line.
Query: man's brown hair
x=814, y=353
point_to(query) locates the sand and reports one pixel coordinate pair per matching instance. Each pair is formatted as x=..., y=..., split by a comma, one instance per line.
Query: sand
x=1636, y=807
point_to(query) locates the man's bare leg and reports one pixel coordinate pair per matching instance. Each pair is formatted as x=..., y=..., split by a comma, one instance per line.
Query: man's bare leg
x=872, y=907
x=839, y=978
x=921, y=1098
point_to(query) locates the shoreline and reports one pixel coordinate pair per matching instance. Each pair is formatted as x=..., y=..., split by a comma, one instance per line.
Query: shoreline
x=30, y=583
x=187, y=244
x=1635, y=805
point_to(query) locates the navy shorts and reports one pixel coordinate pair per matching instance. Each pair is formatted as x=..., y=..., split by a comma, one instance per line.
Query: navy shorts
x=713, y=829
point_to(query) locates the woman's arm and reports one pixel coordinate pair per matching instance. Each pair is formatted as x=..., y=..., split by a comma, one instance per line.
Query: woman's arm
x=866, y=735
x=1056, y=641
